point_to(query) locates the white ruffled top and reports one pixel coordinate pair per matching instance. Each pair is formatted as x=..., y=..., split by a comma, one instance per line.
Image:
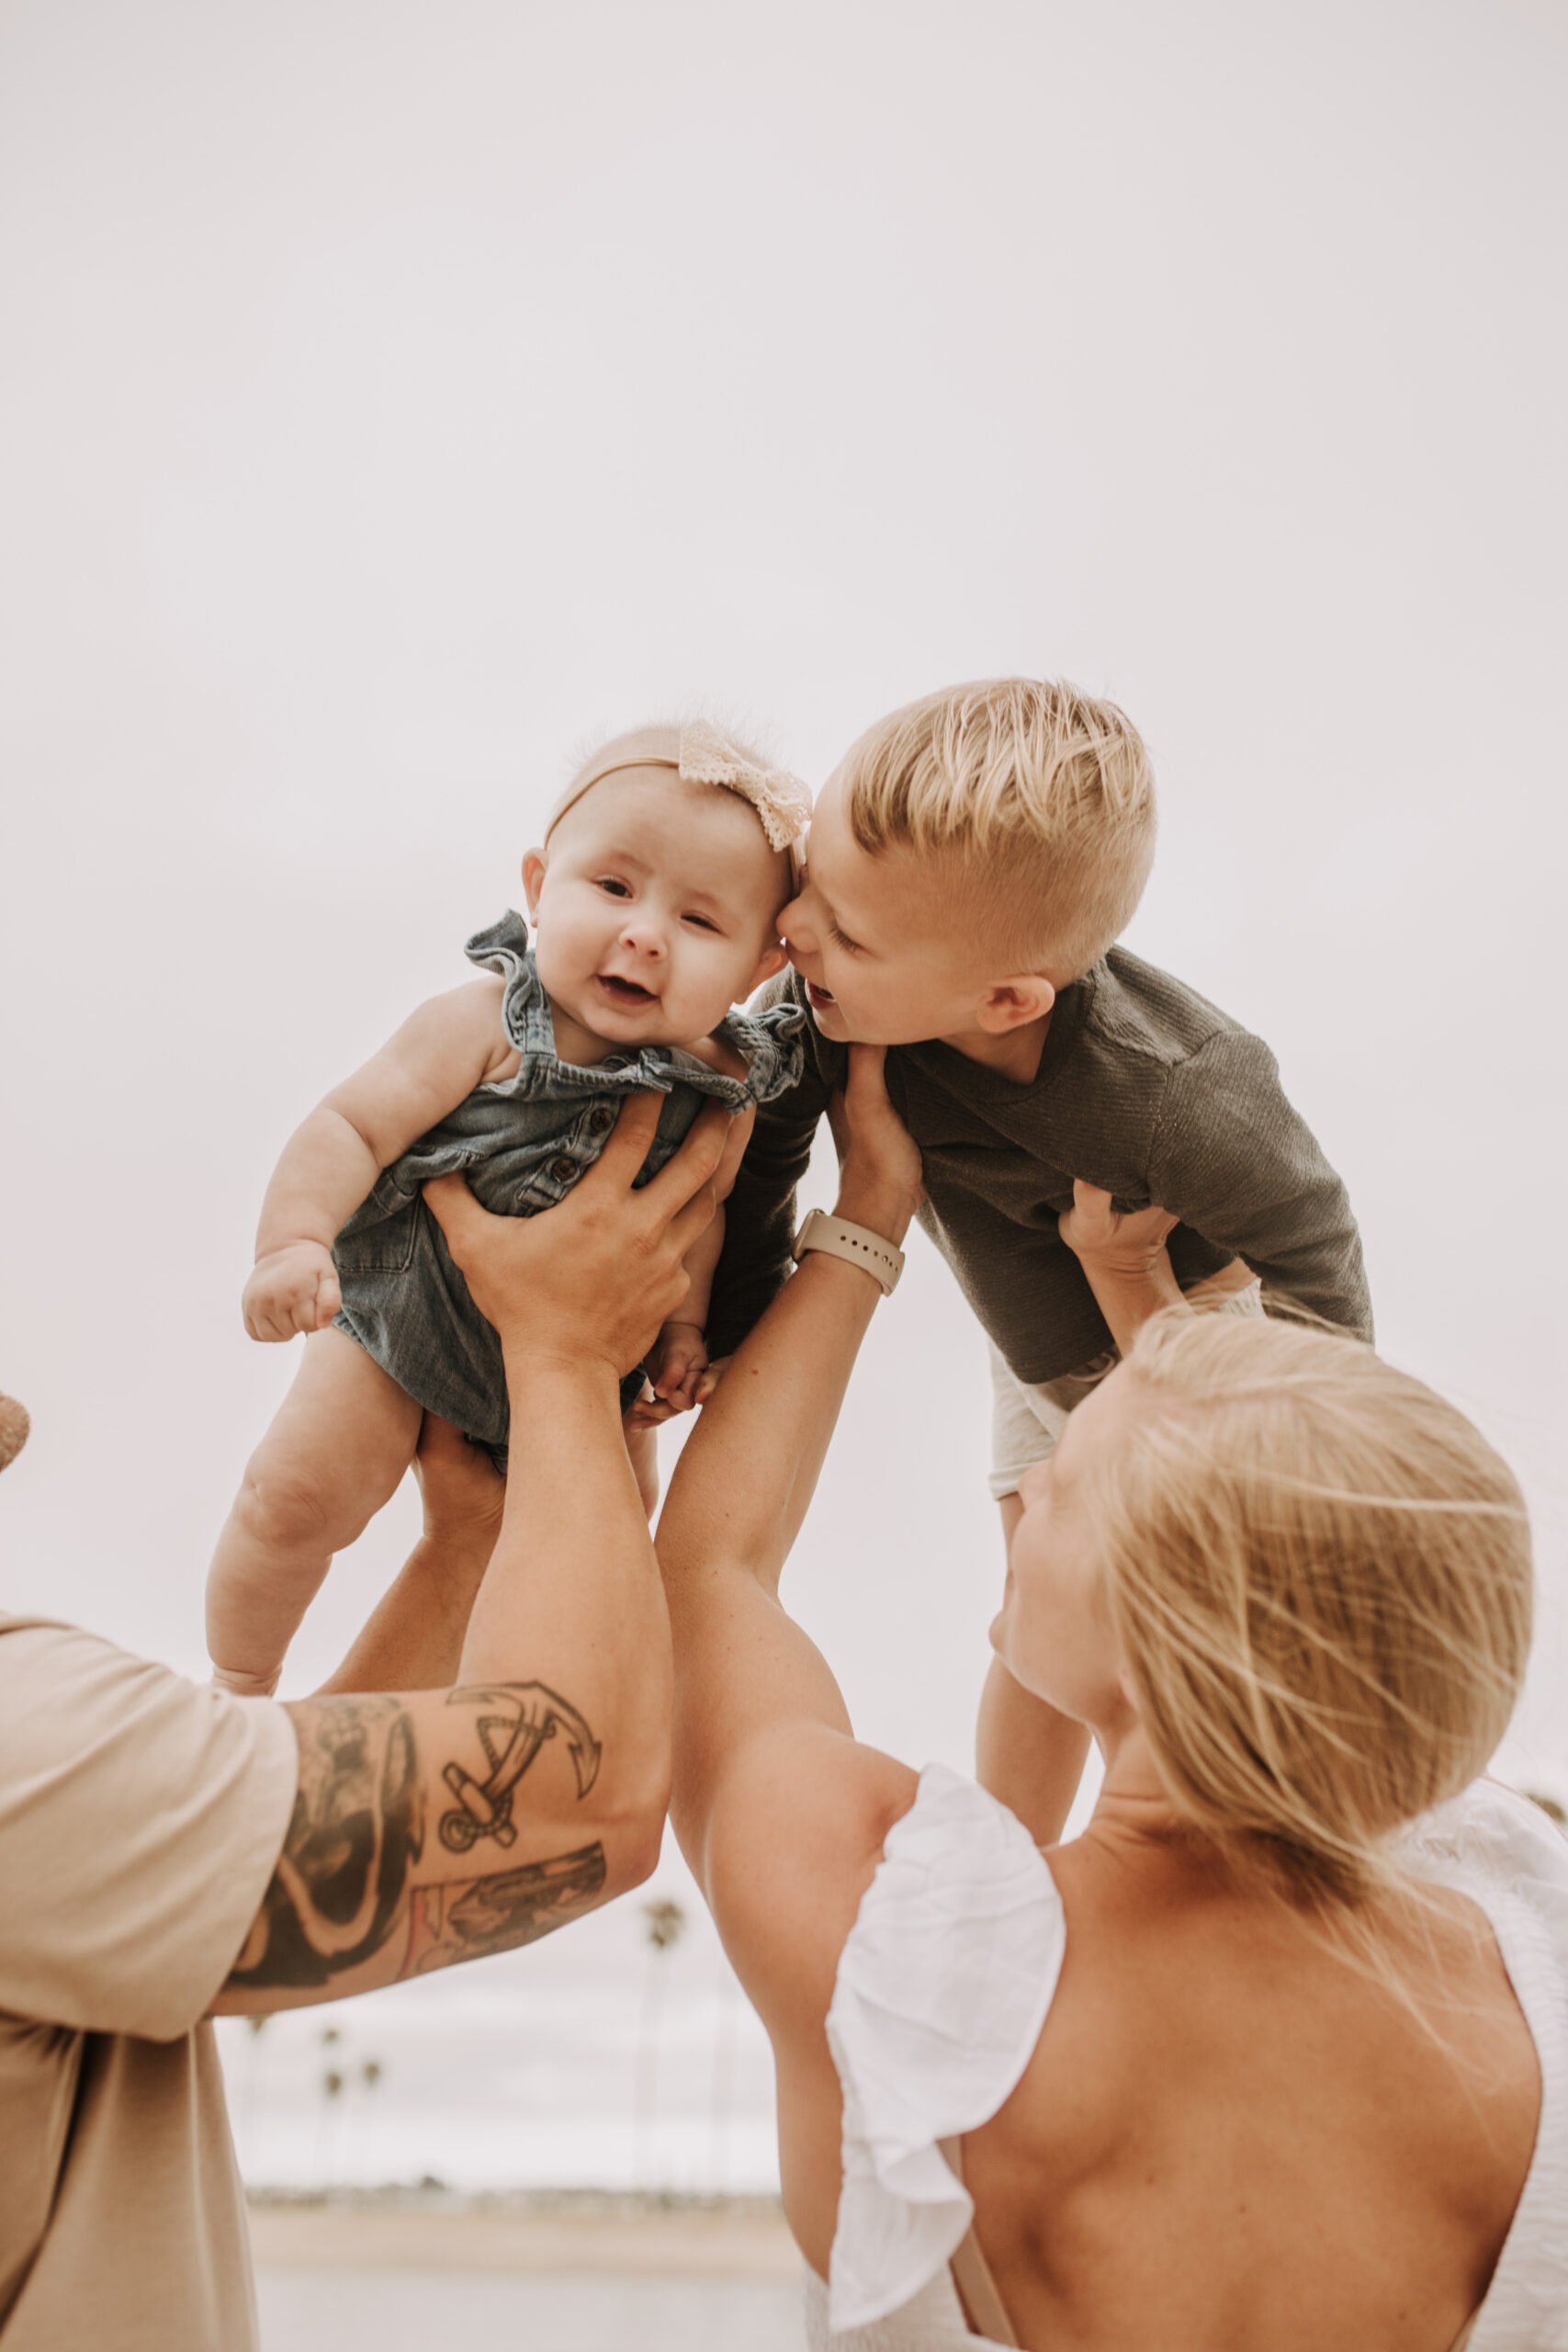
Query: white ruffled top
x=943, y=1987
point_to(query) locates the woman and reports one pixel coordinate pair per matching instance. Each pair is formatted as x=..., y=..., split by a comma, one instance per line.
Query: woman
x=1264, y=2058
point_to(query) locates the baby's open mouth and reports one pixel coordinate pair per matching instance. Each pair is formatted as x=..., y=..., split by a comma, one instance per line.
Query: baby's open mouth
x=819, y=995
x=629, y=993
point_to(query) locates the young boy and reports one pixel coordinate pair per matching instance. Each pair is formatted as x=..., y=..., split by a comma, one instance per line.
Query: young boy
x=971, y=865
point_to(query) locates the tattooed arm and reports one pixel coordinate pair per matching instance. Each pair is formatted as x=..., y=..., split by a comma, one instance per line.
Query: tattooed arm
x=435, y=1827
x=442, y=1825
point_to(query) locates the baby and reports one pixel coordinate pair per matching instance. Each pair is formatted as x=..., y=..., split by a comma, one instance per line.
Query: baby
x=656, y=897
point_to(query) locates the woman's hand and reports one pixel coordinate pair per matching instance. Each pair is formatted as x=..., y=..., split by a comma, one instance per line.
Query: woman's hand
x=880, y=1179
x=1128, y=1243
x=1124, y=1257
x=594, y=1278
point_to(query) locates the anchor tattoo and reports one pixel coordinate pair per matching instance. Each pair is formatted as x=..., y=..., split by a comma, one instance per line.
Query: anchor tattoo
x=522, y=1717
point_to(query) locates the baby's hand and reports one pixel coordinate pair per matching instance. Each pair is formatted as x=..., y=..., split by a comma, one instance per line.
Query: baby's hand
x=294, y=1289
x=708, y=1385
x=676, y=1364
x=1121, y=1241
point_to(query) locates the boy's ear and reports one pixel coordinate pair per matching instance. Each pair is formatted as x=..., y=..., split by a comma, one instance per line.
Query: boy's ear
x=1011, y=1004
x=533, y=879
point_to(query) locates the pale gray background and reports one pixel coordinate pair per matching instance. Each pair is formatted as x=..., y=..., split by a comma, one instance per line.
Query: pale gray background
x=396, y=394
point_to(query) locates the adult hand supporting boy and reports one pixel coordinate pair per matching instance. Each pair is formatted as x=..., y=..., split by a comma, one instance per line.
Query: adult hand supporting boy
x=881, y=1173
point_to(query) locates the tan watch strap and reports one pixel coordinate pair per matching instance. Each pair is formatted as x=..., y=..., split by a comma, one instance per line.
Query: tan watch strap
x=983, y=2307
x=852, y=1243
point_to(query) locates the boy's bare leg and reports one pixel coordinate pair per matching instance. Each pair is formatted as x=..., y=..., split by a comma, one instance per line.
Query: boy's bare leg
x=1025, y=1752
x=341, y=1440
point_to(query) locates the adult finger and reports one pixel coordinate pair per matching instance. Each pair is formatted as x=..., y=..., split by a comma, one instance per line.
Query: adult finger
x=456, y=1211
x=625, y=1148
x=734, y=1151
x=681, y=1201
x=867, y=1084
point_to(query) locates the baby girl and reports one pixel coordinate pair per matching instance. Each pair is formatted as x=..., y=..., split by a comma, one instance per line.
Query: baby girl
x=656, y=897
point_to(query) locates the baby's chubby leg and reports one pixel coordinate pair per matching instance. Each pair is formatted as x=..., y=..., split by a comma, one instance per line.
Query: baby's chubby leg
x=341, y=1440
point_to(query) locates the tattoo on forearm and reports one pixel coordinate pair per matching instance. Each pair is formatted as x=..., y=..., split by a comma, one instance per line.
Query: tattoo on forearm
x=347, y=1886
x=509, y=1908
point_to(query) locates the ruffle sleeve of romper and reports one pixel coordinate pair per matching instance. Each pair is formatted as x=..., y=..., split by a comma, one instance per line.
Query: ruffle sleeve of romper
x=772, y=1044
x=942, y=1988
x=1503, y=1852
x=502, y=948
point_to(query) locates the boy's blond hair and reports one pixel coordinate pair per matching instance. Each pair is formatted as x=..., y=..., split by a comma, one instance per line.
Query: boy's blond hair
x=1039, y=798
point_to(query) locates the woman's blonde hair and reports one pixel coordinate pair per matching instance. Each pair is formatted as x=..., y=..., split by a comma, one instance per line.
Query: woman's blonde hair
x=1038, y=797
x=1319, y=1573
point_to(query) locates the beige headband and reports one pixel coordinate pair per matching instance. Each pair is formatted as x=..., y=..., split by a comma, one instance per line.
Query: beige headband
x=781, y=802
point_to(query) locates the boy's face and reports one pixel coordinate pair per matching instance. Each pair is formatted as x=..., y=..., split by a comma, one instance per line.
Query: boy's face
x=884, y=947
x=655, y=904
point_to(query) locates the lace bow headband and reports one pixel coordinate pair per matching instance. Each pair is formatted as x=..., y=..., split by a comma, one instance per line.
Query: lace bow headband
x=781, y=802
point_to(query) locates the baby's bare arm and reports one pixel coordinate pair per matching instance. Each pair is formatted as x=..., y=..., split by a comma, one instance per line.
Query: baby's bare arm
x=443, y=1051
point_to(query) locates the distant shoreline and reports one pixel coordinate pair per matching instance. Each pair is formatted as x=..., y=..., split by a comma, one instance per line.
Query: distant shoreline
x=567, y=2233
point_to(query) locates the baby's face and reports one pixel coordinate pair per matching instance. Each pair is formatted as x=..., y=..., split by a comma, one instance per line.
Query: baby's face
x=657, y=906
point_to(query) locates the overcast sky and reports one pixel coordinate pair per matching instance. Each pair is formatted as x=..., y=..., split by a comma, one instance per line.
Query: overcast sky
x=396, y=396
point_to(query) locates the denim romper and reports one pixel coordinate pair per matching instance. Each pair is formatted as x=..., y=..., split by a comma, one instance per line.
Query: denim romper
x=522, y=1142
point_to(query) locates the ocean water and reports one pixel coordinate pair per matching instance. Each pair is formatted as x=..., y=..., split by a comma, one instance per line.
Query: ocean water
x=325, y=2310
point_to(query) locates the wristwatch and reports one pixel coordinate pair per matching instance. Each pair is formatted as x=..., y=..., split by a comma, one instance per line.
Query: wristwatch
x=854, y=1243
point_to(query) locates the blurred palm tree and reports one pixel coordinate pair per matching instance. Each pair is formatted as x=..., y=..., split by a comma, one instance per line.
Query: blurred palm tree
x=371, y=2075
x=665, y=1923
x=331, y=2092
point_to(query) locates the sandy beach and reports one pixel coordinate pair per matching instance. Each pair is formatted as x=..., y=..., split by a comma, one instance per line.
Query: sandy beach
x=579, y=2271
x=578, y=2235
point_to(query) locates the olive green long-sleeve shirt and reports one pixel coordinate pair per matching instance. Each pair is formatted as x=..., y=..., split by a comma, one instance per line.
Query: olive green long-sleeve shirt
x=1143, y=1088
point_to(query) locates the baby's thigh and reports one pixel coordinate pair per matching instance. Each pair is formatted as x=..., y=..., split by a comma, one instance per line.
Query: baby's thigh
x=344, y=1433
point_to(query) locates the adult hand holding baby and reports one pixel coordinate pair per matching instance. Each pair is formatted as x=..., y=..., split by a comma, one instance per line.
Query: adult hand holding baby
x=595, y=1277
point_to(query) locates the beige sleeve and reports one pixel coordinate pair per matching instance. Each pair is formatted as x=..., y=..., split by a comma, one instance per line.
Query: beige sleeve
x=140, y=1817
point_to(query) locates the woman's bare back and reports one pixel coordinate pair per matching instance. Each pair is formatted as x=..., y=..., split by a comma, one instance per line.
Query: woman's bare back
x=1230, y=2136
